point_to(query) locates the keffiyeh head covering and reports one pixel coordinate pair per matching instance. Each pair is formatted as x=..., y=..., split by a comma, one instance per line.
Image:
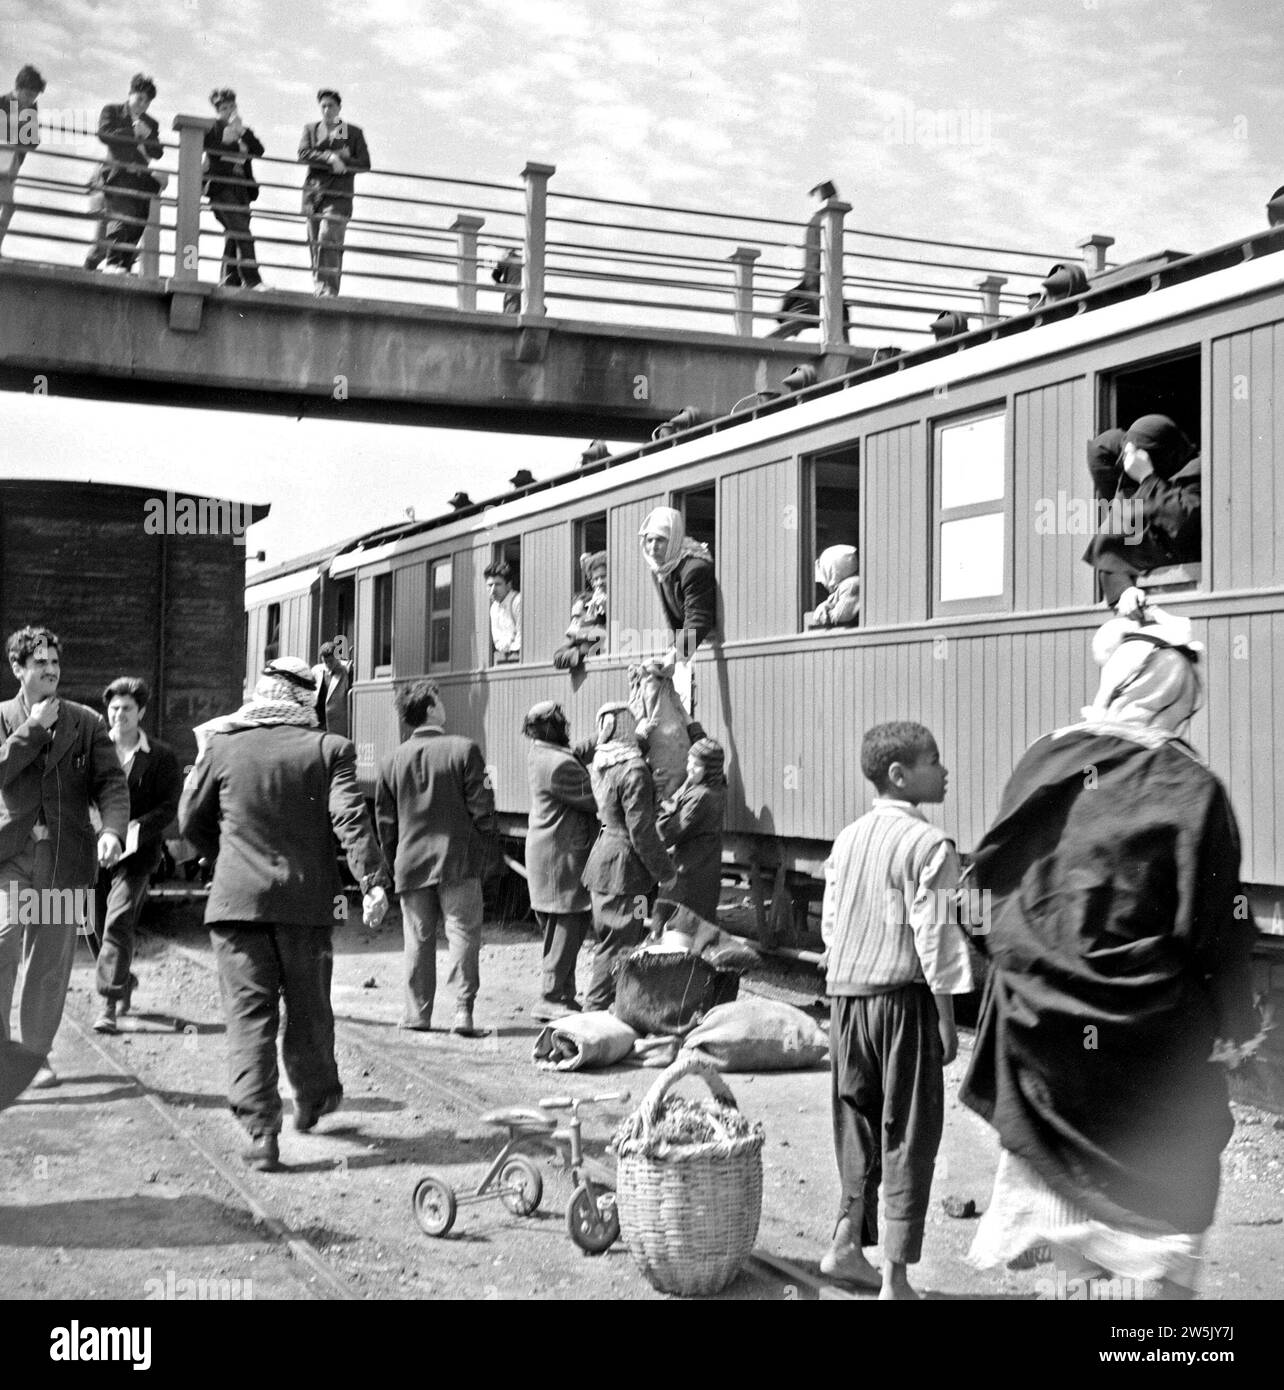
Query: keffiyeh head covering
x=285, y=693
x=617, y=736
x=835, y=564
x=667, y=523
x=1149, y=673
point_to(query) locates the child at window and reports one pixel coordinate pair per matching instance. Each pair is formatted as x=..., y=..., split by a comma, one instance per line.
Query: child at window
x=587, y=629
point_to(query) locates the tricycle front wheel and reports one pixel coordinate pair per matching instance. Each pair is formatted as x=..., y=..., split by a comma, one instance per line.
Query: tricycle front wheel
x=592, y=1219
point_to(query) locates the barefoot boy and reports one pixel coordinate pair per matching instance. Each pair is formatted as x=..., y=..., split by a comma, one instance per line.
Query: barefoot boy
x=895, y=962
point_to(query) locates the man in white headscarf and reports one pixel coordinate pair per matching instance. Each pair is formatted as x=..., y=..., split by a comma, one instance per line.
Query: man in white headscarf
x=1119, y=941
x=267, y=791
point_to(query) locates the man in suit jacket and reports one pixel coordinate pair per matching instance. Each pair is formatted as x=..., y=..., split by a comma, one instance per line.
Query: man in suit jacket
x=333, y=676
x=132, y=138
x=154, y=786
x=230, y=146
x=55, y=761
x=435, y=810
x=334, y=151
x=19, y=136
x=265, y=794
x=559, y=836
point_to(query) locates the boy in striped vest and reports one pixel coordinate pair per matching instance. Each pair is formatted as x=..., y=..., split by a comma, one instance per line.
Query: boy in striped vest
x=896, y=958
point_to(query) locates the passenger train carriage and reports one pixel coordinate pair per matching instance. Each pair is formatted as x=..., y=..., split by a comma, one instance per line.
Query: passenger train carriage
x=959, y=472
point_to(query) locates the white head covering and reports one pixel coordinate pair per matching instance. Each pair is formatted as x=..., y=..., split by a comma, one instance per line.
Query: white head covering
x=667, y=522
x=1149, y=672
x=835, y=564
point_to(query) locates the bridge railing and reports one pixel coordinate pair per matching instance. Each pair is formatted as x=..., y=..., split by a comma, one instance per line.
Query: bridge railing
x=530, y=249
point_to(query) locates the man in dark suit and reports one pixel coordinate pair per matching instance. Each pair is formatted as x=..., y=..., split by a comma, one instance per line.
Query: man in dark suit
x=132, y=138
x=267, y=789
x=333, y=675
x=559, y=835
x=436, y=814
x=55, y=761
x=154, y=787
x=231, y=187
x=334, y=151
x=19, y=136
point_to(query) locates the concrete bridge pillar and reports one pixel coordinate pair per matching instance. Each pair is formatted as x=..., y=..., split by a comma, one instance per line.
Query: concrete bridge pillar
x=536, y=177
x=187, y=218
x=466, y=226
x=990, y=285
x=743, y=258
x=833, y=331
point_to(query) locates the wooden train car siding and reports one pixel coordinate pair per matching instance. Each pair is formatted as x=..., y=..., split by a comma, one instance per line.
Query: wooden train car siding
x=410, y=615
x=1246, y=499
x=548, y=571
x=896, y=527
x=1050, y=427
x=166, y=608
x=633, y=606
x=760, y=518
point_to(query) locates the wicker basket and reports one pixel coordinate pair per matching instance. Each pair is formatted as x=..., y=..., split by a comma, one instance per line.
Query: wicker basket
x=690, y=1217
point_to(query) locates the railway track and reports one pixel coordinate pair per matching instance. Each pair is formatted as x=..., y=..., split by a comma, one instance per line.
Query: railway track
x=784, y=1278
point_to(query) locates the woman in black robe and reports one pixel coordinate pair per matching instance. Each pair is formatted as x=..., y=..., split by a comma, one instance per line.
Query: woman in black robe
x=1119, y=939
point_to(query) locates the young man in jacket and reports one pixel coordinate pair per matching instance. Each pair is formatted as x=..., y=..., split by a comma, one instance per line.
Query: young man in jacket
x=155, y=784
x=436, y=815
x=55, y=761
x=334, y=151
x=20, y=133
x=230, y=185
x=132, y=138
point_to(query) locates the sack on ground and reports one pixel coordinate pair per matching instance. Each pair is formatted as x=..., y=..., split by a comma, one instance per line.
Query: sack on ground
x=581, y=1042
x=669, y=991
x=687, y=930
x=758, y=1035
x=661, y=1050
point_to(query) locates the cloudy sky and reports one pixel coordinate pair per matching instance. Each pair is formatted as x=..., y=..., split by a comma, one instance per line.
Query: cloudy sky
x=1158, y=122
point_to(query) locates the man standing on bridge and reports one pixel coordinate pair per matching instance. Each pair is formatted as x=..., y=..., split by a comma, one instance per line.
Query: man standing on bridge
x=19, y=135
x=334, y=151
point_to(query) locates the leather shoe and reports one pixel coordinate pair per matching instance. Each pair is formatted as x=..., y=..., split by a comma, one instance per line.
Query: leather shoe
x=106, y=1021
x=127, y=996
x=45, y=1079
x=463, y=1025
x=263, y=1153
x=307, y=1113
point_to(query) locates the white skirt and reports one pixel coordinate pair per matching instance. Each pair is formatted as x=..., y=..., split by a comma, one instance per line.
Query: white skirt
x=1025, y=1212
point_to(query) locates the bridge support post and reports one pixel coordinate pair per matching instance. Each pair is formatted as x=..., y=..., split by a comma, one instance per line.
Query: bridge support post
x=743, y=258
x=990, y=285
x=466, y=226
x=1094, y=253
x=536, y=177
x=149, y=252
x=833, y=330
x=187, y=294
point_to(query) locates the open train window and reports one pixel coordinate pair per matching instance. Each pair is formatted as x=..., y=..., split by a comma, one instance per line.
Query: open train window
x=971, y=494
x=439, y=589
x=272, y=638
x=383, y=625
x=833, y=499
x=1169, y=544
x=504, y=589
x=699, y=508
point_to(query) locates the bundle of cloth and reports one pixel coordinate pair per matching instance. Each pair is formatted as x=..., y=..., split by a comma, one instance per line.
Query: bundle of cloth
x=662, y=723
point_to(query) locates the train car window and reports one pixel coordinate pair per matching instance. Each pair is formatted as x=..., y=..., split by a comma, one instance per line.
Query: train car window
x=699, y=508
x=971, y=495
x=272, y=638
x=504, y=587
x=383, y=625
x=440, y=574
x=833, y=497
x=590, y=537
x=1169, y=548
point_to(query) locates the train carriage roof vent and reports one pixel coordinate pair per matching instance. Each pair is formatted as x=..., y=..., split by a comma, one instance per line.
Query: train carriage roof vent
x=522, y=478
x=800, y=378
x=595, y=453
x=459, y=501
x=1064, y=281
x=686, y=419
x=949, y=323
x=886, y=354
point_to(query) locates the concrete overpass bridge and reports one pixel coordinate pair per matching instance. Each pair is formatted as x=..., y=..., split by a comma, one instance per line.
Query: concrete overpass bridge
x=598, y=317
